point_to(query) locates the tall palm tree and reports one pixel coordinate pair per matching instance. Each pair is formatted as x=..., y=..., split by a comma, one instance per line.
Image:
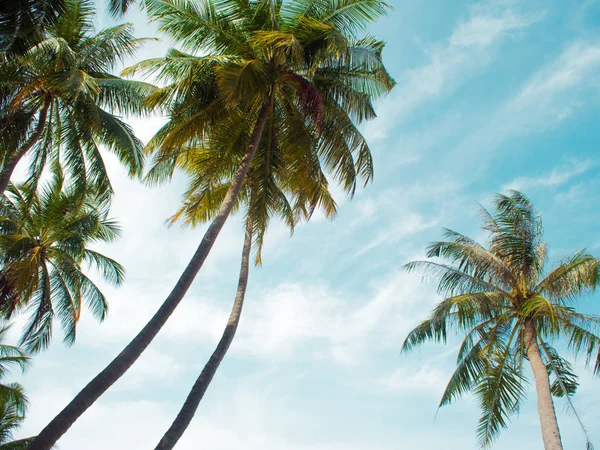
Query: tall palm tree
x=45, y=245
x=512, y=310
x=58, y=100
x=296, y=70
x=13, y=402
x=272, y=188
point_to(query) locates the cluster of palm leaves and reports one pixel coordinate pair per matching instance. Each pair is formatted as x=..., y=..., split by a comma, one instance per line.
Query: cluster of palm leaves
x=13, y=402
x=59, y=101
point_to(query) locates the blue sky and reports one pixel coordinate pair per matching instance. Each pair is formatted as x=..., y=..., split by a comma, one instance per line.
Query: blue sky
x=491, y=95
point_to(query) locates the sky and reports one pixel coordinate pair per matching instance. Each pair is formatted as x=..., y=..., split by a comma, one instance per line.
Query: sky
x=490, y=96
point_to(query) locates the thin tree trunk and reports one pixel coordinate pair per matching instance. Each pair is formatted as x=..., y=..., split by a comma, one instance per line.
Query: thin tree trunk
x=548, y=422
x=105, y=379
x=14, y=159
x=188, y=410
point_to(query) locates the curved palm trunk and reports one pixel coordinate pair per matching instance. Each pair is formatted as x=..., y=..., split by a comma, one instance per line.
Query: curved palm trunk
x=12, y=162
x=188, y=410
x=105, y=379
x=548, y=422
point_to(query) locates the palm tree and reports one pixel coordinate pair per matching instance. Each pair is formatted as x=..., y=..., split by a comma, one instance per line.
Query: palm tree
x=45, y=245
x=58, y=101
x=512, y=311
x=296, y=70
x=272, y=188
x=13, y=402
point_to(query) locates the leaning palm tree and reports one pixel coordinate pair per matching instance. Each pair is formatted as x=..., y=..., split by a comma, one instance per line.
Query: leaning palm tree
x=13, y=402
x=45, y=243
x=58, y=101
x=291, y=74
x=512, y=310
x=272, y=188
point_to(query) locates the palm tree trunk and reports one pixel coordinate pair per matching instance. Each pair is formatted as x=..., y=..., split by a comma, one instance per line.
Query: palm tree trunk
x=105, y=379
x=14, y=159
x=548, y=422
x=188, y=410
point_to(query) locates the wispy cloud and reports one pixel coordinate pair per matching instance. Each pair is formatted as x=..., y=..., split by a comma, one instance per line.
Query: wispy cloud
x=410, y=224
x=549, y=94
x=280, y=320
x=546, y=99
x=418, y=381
x=295, y=316
x=558, y=176
x=400, y=212
x=451, y=63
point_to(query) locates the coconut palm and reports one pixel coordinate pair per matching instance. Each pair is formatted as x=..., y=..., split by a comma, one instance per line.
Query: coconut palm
x=272, y=188
x=512, y=310
x=58, y=101
x=13, y=402
x=295, y=71
x=45, y=243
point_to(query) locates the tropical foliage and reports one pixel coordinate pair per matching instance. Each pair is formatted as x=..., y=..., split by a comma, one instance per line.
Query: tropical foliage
x=13, y=402
x=297, y=71
x=58, y=101
x=512, y=309
x=45, y=240
x=22, y=23
x=284, y=81
x=300, y=59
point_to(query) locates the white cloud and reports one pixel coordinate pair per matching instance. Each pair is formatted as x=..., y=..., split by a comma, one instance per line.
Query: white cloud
x=557, y=177
x=329, y=325
x=548, y=98
x=552, y=94
x=467, y=49
x=398, y=212
x=276, y=322
x=424, y=380
x=411, y=224
x=249, y=417
x=576, y=63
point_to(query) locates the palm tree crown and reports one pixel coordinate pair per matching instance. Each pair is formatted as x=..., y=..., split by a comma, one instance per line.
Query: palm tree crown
x=512, y=309
x=298, y=60
x=45, y=240
x=59, y=99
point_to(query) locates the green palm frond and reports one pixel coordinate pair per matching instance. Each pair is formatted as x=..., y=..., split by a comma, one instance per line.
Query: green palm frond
x=13, y=402
x=574, y=276
x=473, y=357
x=19, y=444
x=500, y=389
